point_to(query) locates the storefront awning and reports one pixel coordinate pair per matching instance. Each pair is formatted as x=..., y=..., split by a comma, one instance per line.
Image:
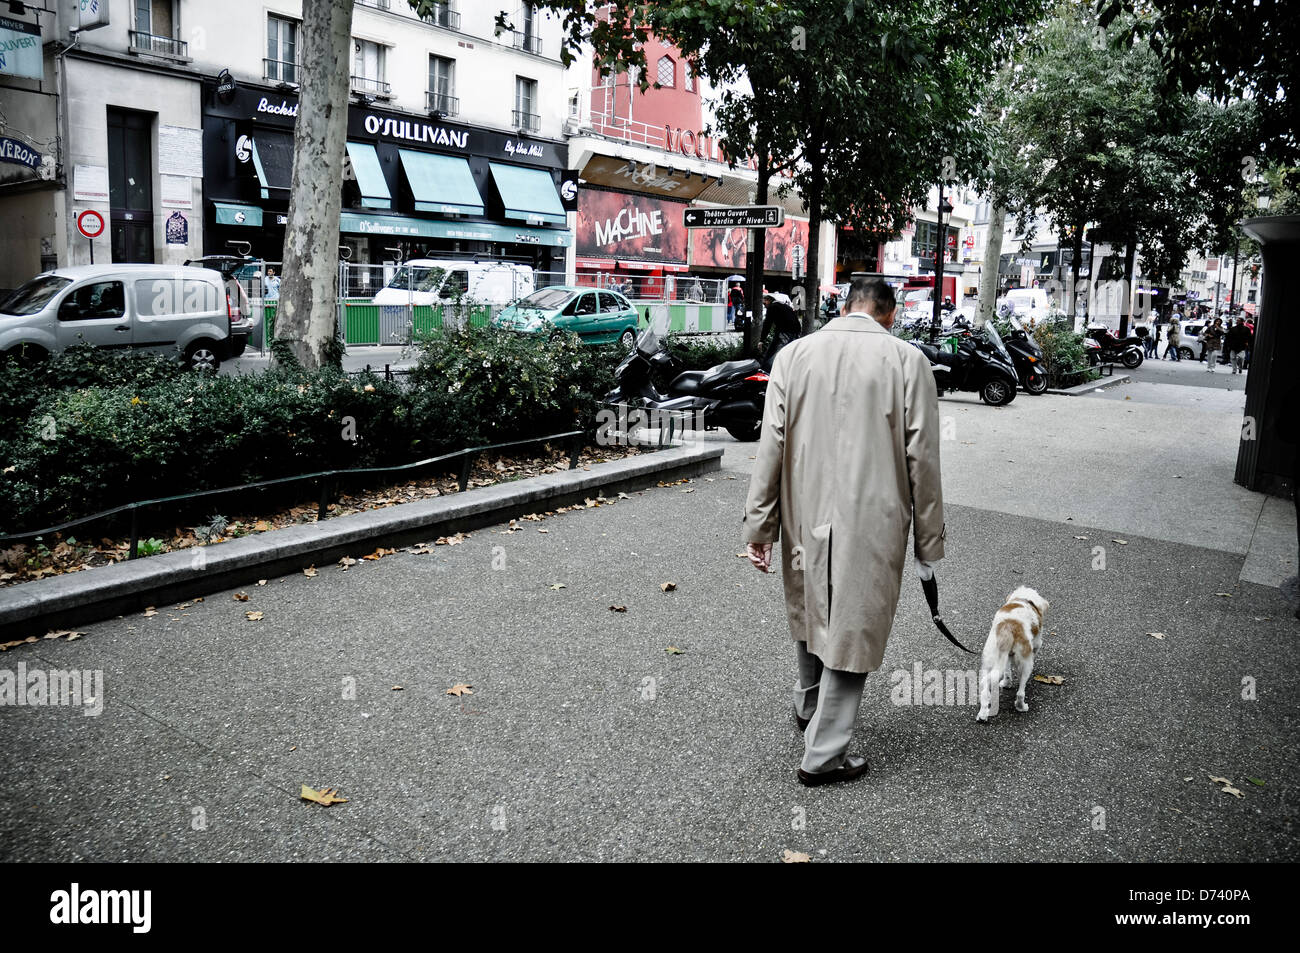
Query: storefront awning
x=370, y=175
x=356, y=223
x=273, y=159
x=232, y=213
x=528, y=194
x=441, y=183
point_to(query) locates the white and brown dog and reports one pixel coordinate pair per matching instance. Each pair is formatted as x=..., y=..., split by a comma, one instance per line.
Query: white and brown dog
x=1017, y=632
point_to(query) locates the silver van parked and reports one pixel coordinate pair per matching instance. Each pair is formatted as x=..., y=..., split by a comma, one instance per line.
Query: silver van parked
x=161, y=309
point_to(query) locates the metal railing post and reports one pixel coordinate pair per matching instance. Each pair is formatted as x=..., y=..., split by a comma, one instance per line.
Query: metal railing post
x=466, y=465
x=135, y=534
x=575, y=452
x=323, y=506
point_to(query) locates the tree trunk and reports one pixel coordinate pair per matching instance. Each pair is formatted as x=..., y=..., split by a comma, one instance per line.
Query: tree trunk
x=1130, y=250
x=989, y=276
x=1076, y=245
x=812, y=280
x=308, y=314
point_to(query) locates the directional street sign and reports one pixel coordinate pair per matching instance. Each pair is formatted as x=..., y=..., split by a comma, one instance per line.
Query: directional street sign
x=739, y=216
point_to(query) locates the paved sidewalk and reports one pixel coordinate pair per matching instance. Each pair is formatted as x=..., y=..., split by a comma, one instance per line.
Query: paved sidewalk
x=585, y=739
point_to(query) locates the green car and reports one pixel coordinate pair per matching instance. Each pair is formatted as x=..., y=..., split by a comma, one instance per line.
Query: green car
x=595, y=315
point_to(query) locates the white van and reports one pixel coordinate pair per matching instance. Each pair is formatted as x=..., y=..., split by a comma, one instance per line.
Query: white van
x=432, y=281
x=182, y=312
x=1028, y=302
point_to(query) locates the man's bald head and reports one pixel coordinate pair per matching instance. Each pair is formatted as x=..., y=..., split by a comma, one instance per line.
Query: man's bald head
x=874, y=297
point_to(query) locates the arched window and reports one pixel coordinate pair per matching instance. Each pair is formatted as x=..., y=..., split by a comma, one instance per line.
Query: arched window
x=688, y=77
x=667, y=75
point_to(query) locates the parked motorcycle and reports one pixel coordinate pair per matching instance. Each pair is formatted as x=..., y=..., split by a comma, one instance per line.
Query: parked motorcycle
x=730, y=395
x=1027, y=357
x=981, y=364
x=1112, y=350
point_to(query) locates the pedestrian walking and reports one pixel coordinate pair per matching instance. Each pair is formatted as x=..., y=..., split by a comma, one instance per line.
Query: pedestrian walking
x=1237, y=343
x=779, y=317
x=272, y=285
x=1212, y=337
x=1174, y=339
x=840, y=493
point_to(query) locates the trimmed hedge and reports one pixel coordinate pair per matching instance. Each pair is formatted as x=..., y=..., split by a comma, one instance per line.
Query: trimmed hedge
x=88, y=431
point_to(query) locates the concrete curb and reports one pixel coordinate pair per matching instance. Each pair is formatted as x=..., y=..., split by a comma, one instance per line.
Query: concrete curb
x=1090, y=386
x=78, y=598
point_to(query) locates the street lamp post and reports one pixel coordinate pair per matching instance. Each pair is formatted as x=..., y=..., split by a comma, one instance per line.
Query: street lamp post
x=940, y=252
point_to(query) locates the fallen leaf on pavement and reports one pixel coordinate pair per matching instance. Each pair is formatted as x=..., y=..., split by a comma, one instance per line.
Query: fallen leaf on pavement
x=794, y=857
x=420, y=549
x=668, y=586
x=691, y=490
x=1081, y=537
x=150, y=611
x=345, y=562
x=540, y=530
x=1050, y=679
x=618, y=608
x=1227, y=787
x=325, y=796
x=450, y=540
x=398, y=688
x=253, y=616
x=261, y=582
x=1122, y=542
x=1156, y=635
x=558, y=585
x=240, y=597
x=674, y=650
x=380, y=553
x=1256, y=781
x=1226, y=595
x=459, y=689
x=623, y=496
x=311, y=572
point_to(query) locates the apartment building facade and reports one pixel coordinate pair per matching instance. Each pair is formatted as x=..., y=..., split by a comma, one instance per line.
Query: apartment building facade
x=173, y=119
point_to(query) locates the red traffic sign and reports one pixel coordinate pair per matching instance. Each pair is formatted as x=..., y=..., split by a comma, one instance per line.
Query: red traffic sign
x=90, y=223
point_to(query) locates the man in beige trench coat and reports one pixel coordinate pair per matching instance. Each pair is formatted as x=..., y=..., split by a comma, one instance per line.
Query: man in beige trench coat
x=847, y=460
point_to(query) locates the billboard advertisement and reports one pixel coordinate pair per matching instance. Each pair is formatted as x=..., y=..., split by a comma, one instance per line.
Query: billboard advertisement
x=726, y=247
x=623, y=225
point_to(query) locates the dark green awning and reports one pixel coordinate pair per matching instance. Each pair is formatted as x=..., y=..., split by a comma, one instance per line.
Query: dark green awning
x=370, y=175
x=232, y=213
x=442, y=184
x=273, y=159
x=528, y=195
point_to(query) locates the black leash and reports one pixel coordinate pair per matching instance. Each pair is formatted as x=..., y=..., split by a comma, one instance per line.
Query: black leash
x=931, y=588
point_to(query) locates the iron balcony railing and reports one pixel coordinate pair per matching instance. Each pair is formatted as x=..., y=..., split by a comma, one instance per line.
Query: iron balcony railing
x=441, y=102
x=528, y=42
x=159, y=45
x=279, y=71
x=377, y=4
x=528, y=121
x=442, y=15
x=371, y=87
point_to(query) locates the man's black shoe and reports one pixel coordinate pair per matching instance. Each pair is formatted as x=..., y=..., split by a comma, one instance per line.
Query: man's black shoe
x=853, y=767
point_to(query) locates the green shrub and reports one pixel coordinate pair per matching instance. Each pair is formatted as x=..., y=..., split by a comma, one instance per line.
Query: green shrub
x=1065, y=360
x=91, y=431
x=700, y=353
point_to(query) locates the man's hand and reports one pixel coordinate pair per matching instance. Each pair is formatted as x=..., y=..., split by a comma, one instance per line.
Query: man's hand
x=760, y=554
x=924, y=570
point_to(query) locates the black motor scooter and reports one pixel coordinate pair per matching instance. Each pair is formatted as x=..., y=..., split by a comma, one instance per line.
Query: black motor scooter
x=981, y=364
x=1027, y=356
x=729, y=395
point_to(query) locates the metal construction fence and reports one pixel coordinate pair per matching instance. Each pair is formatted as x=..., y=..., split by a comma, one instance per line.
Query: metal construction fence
x=396, y=304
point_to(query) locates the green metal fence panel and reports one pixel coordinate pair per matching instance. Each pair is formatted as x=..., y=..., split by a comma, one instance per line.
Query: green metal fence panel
x=677, y=317
x=426, y=319
x=360, y=322
x=480, y=316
